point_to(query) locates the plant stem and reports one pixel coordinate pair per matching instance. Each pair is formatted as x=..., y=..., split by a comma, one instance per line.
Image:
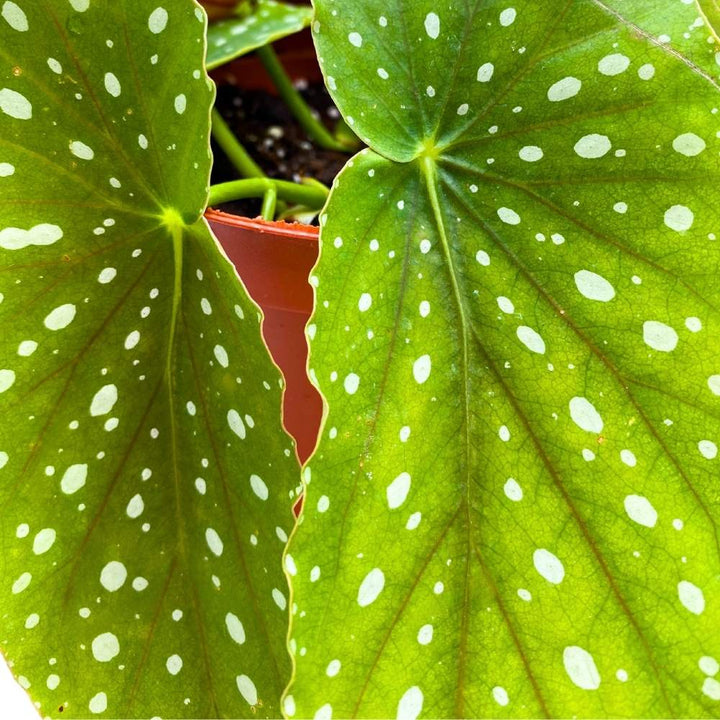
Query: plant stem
x=310, y=195
x=312, y=126
x=231, y=146
x=269, y=203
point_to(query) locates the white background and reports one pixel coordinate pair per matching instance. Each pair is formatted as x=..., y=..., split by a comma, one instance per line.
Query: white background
x=14, y=703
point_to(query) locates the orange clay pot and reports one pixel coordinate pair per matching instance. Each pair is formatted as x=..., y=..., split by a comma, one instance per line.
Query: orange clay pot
x=274, y=260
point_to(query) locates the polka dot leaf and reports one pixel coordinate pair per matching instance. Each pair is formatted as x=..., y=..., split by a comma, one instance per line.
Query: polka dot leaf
x=269, y=21
x=145, y=479
x=513, y=508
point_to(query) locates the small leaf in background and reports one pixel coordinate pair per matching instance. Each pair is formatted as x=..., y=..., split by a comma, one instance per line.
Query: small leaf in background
x=513, y=508
x=145, y=480
x=231, y=38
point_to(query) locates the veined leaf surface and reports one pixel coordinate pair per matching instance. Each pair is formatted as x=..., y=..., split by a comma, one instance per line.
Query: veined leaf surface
x=710, y=10
x=513, y=508
x=270, y=21
x=145, y=476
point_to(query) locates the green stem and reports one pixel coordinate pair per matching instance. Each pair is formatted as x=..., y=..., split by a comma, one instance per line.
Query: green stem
x=312, y=126
x=269, y=203
x=310, y=195
x=231, y=146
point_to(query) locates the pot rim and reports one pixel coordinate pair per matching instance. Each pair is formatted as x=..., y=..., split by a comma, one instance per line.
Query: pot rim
x=276, y=227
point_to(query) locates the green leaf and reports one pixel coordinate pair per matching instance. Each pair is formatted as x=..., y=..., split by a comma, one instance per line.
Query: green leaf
x=513, y=508
x=710, y=11
x=145, y=476
x=270, y=21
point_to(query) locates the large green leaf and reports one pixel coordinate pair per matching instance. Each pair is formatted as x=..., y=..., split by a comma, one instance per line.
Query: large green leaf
x=269, y=21
x=145, y=476
x=513, y=508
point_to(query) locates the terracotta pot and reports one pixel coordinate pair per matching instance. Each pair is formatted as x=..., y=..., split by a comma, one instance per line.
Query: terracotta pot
x=274, y=260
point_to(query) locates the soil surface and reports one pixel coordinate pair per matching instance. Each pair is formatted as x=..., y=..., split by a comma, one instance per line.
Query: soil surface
x=274, y=139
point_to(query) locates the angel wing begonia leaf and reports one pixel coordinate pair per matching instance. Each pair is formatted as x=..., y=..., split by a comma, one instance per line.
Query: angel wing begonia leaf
x=513, y=507
x=270, y=21
x=144, y=474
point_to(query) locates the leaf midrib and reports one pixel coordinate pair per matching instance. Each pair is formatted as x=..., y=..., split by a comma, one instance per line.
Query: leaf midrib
x=429, y=171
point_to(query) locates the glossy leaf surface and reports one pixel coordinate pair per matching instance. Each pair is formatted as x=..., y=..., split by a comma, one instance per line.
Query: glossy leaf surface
x=513, y=508
x=270, y=21
x=145, y=476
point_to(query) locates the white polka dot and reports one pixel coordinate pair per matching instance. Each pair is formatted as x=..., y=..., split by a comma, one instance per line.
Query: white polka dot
x=113, y=576
x=500, y=696
x=679, y=218
x=594, y=286
x=371, y=586
x=214, y=542
x=112, y=84
x=659, y=336
x=646, y=72
x=614, y=64
x=60, y=317
x=563, y=89
x=74, y=478
x=512, y=489
x=506, y=305
x=691, y=597
x=397, y=490
x=422, y=368
x=549, y=566
x=355, y=39
x=425, y=634
x=351, y=383
x=593, y=146
x=259, y=487
x=235, y=628
x=104, y=400
x=688, y=144
x=508, y=216
x=580, y=667
x=640, y=510
x=708, y=665
x=105, y=647
x=158, y=20
x=708, y=449
x=482, y=258
x=81, y=151
x=507, y=17
x=531, y=153
x=365, y=302
x=174, y=664
x=485, y=72
x=531, y=339
x=44, y=540
x=247, y=689
x=432, y=25
x=236, y=424
x=585, y=416
x=711, y=688
x=410, y=705
x=98, y=703
x=693, y=324
x=15, y=16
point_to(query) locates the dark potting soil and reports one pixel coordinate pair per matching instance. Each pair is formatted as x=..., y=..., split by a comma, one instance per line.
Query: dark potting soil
x=274, y=139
